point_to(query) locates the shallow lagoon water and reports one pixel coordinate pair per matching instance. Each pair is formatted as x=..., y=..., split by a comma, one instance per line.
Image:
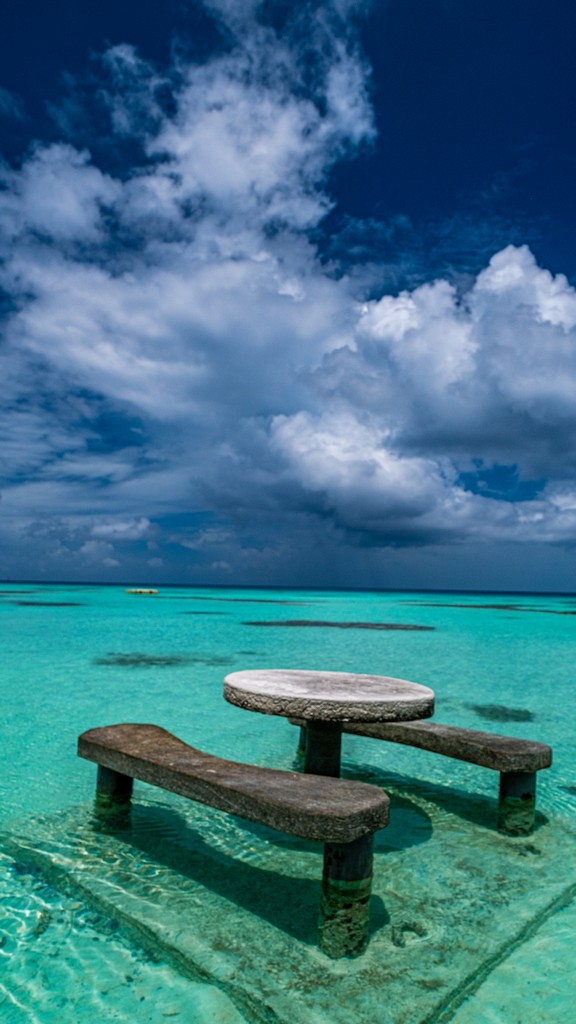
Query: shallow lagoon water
x=209, y=919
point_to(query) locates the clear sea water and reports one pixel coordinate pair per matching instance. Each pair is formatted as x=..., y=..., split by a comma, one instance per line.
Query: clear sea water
x=194, y=916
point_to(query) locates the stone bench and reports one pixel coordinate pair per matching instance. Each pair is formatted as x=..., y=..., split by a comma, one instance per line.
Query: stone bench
x=343, y=815
x=516, y=760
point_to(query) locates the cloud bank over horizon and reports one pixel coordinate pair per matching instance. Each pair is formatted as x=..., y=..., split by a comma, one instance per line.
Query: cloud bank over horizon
x=191, y=391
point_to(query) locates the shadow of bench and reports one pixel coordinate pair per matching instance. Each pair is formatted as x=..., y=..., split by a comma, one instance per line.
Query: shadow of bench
x=340, y=814
x=516, y=760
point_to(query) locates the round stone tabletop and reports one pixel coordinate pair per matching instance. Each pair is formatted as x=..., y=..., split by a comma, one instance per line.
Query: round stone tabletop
x=328, y=696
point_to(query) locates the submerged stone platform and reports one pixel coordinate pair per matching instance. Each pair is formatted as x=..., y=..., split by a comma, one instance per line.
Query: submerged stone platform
x=228, y=902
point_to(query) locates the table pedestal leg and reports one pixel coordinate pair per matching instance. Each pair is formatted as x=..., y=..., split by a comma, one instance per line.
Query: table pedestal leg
x=323, y=746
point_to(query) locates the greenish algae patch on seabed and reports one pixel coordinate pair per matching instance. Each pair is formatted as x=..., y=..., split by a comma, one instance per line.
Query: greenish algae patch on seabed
x=237, y=905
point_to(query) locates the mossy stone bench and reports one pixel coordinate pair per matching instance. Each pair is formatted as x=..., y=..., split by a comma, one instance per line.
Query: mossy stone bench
x=517, y=760
x=341, y=814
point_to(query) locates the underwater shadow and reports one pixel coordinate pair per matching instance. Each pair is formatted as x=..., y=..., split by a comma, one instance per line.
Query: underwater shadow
x=409, y=825
x=287, y=902
x=476, y=808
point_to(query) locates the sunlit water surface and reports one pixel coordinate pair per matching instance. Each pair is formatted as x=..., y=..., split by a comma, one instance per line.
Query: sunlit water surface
x=205, y=919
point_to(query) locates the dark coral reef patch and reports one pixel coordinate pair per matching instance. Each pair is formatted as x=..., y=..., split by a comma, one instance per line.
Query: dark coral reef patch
x=501, y=713
x=142, y=659
x=493, y=607
x=339, y=625
x=48, y=604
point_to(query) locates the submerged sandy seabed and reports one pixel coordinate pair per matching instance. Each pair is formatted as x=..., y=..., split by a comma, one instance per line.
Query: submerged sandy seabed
x=456, y=909
x=196, y=917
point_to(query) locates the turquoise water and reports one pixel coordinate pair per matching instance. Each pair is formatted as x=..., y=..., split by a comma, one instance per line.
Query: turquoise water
x=202, y=918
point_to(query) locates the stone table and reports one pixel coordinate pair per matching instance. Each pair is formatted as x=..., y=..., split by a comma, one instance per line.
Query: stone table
x=325, y=701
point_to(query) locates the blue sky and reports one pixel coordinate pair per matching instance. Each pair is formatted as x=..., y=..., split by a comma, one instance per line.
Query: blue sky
x=288, y=293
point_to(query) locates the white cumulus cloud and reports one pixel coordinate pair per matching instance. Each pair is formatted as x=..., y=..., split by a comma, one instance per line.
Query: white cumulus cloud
x=176, y=347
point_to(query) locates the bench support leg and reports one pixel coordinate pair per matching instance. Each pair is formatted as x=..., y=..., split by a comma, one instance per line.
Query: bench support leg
x=323, y=746
x=113, y=791
x=346, y=887
x=517, y=803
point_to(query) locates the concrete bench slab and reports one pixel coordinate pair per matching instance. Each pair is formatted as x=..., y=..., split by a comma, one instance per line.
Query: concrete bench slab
x=501, y=753
x=341, y=814
x=516, y=760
